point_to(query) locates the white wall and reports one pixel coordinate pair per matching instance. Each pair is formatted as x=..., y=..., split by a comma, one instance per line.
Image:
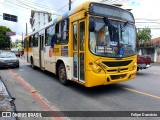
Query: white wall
x=40, y=19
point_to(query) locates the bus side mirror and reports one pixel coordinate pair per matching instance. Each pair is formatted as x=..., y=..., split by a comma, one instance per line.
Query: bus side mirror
x=92, y=25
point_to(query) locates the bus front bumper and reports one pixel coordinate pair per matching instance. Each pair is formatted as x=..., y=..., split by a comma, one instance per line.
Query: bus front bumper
x=94, y=79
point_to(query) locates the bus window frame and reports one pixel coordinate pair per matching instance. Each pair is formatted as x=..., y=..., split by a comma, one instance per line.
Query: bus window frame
x=60, y=31
x=34, y=39
x=46, y=36
x=31, y=41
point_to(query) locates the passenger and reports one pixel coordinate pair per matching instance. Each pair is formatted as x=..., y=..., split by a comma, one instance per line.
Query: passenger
x=101, y=37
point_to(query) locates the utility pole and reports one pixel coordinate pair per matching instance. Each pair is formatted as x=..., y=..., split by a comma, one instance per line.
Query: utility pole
x=70, y=2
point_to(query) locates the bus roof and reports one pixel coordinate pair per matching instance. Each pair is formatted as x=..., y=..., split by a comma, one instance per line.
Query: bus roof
x=83, y=6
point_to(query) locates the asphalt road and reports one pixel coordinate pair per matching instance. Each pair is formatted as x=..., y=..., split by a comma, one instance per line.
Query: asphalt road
x=140, y=94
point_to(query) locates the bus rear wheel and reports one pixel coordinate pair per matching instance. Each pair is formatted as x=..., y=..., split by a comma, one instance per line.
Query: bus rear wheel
x=62, y=74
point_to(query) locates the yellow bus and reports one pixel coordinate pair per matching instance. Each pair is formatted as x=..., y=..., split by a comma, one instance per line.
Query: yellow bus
x=94, y=44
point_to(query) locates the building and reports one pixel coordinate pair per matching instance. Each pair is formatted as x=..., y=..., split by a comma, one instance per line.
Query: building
x=152, y=49
x=39, y=19
x=156, y=43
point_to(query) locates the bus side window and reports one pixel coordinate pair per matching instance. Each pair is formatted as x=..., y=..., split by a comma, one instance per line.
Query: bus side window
x=31, y=41
x=35, y=40
x=62, y=32
x=49, y=32
x=82, y=35
x=25, y=43
x=75, y=37
x=58, y=37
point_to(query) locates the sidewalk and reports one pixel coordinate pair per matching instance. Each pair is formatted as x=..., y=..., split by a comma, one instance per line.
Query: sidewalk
x=24, y=98
x=6, y=102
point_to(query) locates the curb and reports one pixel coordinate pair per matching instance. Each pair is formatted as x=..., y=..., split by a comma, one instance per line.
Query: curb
x=7, y=101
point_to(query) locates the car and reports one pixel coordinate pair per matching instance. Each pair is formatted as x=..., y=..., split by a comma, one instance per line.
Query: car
x=8, y=59
x=143, y=62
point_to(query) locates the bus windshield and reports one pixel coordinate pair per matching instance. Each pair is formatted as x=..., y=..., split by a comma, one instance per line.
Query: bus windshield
x=116, y=39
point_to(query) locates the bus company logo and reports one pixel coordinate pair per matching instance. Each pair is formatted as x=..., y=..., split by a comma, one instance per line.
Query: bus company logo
x=119, y=69
x=6, y=114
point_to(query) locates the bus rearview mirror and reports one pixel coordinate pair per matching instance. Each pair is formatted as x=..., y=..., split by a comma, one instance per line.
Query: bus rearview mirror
x=92, y=25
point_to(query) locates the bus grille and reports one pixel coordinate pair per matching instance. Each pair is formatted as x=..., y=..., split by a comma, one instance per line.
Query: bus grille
x=116, y=77
x=115, y=70
x=117, y=64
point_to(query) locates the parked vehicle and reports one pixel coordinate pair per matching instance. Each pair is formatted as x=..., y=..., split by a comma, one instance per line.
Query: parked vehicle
x=143, y=62
x=8, y=59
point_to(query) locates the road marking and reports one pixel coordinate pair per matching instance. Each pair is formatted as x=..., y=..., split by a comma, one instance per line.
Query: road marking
x=143, y=93
x=37, y=96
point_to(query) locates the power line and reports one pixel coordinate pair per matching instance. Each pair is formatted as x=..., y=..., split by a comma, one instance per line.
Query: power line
x=36, y=4
x=29, y=8
x=30, y=5
x=27, y=5
x=17, y=5
x=36, y=8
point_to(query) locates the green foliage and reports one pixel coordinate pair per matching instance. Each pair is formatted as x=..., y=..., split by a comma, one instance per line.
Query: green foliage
x=17, y=44
x=4, y=39
x=144, y=35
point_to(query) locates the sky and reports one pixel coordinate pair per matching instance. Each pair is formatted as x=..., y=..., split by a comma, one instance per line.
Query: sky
x=145, y=12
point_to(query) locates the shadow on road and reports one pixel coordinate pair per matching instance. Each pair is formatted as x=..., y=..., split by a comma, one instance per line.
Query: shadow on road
x=143, y=73
x=93, y=91
x=98, y=90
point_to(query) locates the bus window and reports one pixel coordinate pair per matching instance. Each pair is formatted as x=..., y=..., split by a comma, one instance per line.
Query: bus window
x=25, y=43
x=35, y=40
x=62, y=32
x=31, y=41
x=49, y=32
x=82, y=35
x=75, y=37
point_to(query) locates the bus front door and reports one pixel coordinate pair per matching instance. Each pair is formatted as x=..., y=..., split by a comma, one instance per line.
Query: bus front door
x=78, y=50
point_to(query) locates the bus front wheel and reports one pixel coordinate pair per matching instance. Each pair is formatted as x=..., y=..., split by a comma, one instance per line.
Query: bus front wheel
x=62, y=74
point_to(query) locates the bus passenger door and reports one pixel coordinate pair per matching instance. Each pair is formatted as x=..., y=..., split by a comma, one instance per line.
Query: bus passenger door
x=41, y=51
x=78, y=50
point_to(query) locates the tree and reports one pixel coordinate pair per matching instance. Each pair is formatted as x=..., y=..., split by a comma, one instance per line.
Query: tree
x=5, y=40
x=143, y=35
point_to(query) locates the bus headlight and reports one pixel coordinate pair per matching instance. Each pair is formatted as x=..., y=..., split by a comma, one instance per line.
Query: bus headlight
x=134, y=66
x=96, y=68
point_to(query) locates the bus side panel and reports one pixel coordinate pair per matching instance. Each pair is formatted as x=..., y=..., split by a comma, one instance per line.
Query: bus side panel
x=49, y=60
x=36, y=56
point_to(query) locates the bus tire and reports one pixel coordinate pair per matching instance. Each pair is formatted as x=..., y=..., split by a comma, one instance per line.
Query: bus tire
x=62, y=74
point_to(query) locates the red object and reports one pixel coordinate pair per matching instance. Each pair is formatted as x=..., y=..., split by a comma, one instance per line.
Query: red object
x=143, y=62
x=50, y=52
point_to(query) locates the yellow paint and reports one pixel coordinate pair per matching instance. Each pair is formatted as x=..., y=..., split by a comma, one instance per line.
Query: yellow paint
x=143, y=93
x=77, y=16
x=33, y=91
